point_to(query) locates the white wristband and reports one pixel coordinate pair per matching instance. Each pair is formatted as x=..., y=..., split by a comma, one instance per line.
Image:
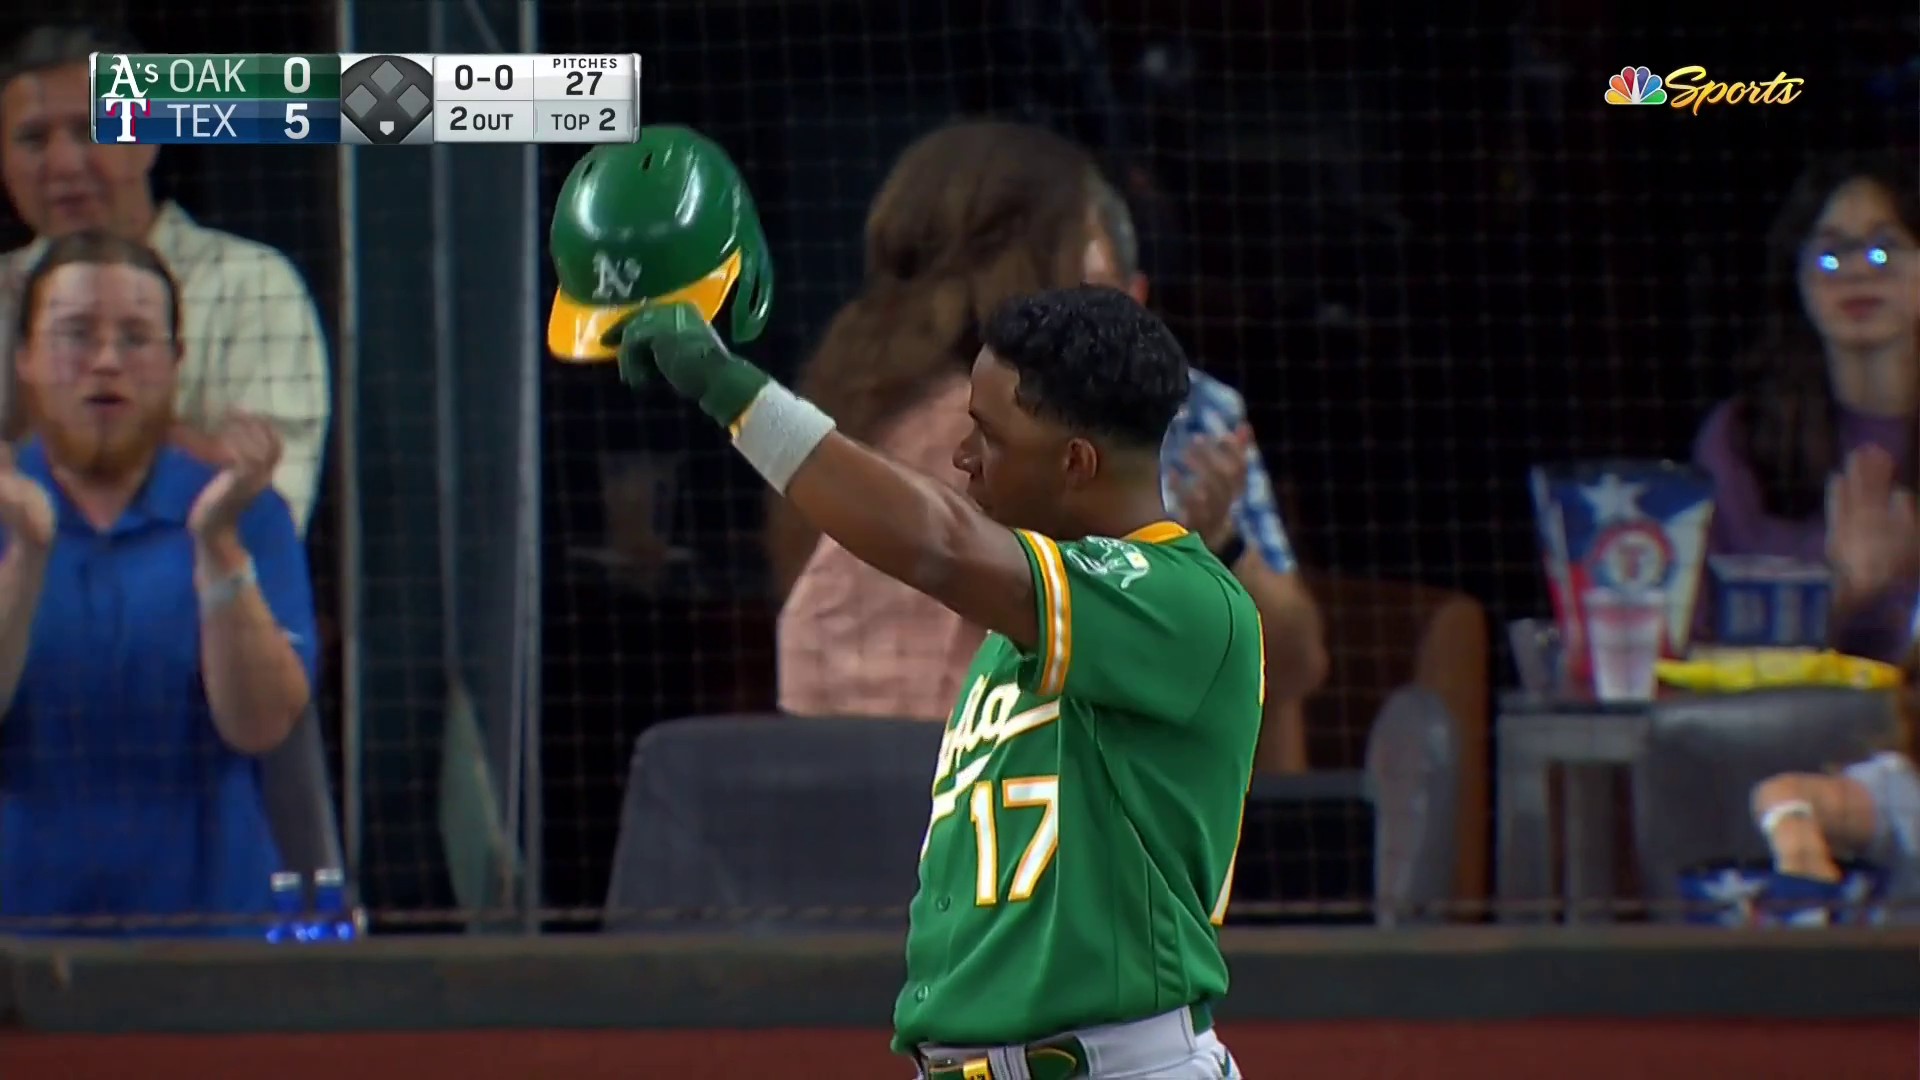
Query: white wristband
x=1778, y=813
x=217, y=594
x=778, y=432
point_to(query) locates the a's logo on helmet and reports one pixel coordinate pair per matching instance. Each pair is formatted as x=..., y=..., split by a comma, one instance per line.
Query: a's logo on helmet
x=615, y=278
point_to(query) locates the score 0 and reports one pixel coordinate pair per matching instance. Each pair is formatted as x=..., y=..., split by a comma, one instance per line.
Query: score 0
x=586, y=99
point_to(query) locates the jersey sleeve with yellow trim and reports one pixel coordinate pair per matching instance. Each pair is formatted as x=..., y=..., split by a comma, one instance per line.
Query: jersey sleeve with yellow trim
x=1131, y=626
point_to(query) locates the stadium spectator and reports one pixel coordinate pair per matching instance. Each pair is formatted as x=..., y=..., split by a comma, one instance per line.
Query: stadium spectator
x=1869, y=810
x=156, y=621
x=1808, y=461
x=1216, y=482
x=972, y=215
x=253, y=339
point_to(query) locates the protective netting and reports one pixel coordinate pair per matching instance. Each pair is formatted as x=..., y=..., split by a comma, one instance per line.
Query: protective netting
x=1420, y=244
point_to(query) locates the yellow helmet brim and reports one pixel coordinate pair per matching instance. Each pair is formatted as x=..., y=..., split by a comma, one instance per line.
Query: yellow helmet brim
x=576, y=331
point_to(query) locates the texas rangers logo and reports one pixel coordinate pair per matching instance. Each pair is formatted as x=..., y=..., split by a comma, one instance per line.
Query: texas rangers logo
x=1631, y=556
x=1630, y=526
x=1631, y=550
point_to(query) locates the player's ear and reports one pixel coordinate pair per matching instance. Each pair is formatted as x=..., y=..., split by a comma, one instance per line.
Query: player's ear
x=1082, y=462
x=1137, y=288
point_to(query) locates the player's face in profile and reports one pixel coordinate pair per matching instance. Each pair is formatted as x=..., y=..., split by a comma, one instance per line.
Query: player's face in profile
x=1012, y=460
x=99, y=366
x=60, y=181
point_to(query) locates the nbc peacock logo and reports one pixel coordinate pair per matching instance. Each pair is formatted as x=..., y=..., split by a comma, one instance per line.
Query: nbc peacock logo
x=1689, y=88
x=1635, y=86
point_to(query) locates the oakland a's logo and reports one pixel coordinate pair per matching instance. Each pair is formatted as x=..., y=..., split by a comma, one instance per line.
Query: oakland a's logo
x=614, y=279
x=1635, y=555
x=1106, y=556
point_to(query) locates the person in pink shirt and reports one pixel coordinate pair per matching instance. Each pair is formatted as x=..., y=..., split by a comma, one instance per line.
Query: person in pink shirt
x=1815, y=459
x=971, y=215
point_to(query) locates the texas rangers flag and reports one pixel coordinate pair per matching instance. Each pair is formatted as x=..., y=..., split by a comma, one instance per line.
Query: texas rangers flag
x=1635, y=526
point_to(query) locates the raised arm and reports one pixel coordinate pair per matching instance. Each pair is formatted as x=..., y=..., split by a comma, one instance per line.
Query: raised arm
x=256, y=605
x=903, y=523
x=26, y=514
x=261, y=352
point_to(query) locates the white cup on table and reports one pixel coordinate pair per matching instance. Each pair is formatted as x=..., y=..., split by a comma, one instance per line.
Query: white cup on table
x=1625, y=631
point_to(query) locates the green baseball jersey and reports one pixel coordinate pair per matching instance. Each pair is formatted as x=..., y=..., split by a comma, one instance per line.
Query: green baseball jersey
x=1087, y=801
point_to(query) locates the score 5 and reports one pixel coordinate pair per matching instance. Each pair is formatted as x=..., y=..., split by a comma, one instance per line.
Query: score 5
x=298, y=126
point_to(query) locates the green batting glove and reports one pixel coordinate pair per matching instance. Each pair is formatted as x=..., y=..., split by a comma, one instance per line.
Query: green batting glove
x=674, y=343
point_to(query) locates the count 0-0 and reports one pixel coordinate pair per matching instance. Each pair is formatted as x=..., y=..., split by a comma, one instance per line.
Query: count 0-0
x=463, y=77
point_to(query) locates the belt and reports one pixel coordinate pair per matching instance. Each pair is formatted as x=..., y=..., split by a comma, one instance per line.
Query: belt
x=1062, y=1057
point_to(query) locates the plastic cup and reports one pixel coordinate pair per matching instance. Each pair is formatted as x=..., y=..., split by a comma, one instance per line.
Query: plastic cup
x=1624, y=635
x=1538, y=656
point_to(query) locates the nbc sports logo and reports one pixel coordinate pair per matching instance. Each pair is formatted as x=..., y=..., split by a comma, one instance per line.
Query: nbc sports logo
x=1635, y=86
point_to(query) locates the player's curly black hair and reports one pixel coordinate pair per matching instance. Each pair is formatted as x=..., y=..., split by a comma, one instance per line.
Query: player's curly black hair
x=1094, y=360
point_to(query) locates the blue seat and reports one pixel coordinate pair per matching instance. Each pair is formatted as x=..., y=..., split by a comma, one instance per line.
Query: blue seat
x=763, y=823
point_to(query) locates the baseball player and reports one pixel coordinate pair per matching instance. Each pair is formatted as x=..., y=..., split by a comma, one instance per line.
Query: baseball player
x=1088, y=794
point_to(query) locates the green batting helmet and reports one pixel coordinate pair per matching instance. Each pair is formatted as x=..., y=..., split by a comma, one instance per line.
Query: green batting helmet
x=664, y=219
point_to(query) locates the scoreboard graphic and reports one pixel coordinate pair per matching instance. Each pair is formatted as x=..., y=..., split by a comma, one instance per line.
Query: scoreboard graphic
x=364, y=99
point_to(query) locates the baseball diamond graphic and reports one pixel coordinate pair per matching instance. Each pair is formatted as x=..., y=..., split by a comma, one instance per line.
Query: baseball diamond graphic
x=385, y=101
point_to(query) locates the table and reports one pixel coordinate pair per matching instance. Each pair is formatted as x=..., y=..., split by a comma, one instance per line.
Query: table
x=1588, y=740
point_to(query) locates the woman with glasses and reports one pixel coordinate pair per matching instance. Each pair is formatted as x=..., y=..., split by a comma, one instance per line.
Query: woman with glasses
x=1815, y=458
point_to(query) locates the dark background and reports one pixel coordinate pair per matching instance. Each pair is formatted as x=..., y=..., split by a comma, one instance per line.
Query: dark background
x=1416, y=239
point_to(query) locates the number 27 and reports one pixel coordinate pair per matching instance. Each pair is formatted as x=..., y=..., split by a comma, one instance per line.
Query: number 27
x=1017, y=794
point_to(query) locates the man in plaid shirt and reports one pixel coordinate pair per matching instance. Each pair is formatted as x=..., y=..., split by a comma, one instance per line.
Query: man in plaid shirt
x=1216, y=483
